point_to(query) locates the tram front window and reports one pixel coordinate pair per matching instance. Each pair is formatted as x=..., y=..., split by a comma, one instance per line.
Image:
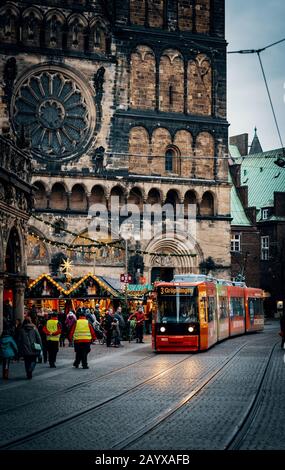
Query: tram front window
x=177, y=309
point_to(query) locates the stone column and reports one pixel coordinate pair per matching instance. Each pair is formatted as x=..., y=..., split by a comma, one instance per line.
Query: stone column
x=19, y=295
x=1, y=304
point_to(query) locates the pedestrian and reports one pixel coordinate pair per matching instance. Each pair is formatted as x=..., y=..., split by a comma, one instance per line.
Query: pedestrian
x=282, y=332
x=41, y=325
x=8, y=350
x=120, y=325
x=139, y=317
x=83, y=334
x=30, y=345
x=53, y=331
x=69, y=322
x=97, y=312
x=108, y=326
x=62, y=319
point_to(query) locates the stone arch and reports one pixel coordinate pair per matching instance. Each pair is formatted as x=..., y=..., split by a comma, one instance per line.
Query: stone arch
x=98, y=195
x=155, y=196
x=40, y=195
x=172, y=161
x=205, y=155
x=160, y=140
x=203, y=16
x=200, y=84
x=184, y=263
x=119, y=192
x=142, y=78
x=32, y=22
x=183, y=139
x=58, y=197
x=14, y=252
x=137, y=12
x=185, y=15
x=171, y=81
x=9, y=20
x=54, y=25
x=136, y=196
x=99, y=34
x=190, y=198
x=207, y=205
x=78, y=198
x=77, y=25
x=138, y=150
x=173, y=196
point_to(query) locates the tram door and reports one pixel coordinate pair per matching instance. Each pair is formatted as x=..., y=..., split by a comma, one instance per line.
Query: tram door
x=162, y=274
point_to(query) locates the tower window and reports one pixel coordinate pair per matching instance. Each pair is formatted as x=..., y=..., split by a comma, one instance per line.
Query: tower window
x=169, y=159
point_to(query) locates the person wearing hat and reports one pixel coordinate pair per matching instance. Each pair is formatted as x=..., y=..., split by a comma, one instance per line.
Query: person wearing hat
x=139, y=317
x=82, y=333
x=52, y=329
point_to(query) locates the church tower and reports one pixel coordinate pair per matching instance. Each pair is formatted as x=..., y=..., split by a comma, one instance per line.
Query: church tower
x=121, y=98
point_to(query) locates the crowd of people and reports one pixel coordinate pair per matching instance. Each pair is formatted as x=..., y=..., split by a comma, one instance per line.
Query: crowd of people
x=38, y=338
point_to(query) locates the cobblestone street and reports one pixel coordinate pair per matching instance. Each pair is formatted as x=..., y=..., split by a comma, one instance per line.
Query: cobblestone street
x=228, y=397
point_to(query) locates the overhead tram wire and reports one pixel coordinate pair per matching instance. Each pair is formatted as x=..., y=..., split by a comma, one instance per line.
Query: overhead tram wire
x=280, y=160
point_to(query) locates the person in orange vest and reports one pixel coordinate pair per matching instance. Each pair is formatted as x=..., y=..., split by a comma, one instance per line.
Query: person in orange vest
x=53, y=331
x=82, y=333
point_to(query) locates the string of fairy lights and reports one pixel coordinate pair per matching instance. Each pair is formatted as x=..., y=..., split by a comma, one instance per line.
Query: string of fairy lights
x=83, y=248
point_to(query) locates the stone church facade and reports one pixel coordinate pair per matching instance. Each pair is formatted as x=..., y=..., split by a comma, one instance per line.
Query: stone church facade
x=122, y=98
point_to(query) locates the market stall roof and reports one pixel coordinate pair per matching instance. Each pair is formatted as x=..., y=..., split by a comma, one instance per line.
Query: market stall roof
x=65, y=291
x=100, y=280
x=59, y=285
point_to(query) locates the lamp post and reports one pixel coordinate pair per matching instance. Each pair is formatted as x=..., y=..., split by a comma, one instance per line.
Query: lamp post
x=126, y=233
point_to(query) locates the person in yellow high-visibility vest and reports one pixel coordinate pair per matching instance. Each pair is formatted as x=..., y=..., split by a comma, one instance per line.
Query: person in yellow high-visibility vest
x=53, y=331
x=82, y=333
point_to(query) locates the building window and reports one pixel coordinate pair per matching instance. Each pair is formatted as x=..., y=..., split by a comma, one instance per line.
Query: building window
x=264, y=248
x=236, y=243
x=265, y=214
x=169, y=158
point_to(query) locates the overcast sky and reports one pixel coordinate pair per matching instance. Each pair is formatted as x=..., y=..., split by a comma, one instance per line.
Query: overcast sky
x=252, y=24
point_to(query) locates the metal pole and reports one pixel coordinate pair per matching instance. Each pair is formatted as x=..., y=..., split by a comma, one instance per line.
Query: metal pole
x=126, y=273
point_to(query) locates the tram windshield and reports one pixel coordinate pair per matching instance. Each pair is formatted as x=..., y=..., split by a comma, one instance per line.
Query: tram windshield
x=177, y=307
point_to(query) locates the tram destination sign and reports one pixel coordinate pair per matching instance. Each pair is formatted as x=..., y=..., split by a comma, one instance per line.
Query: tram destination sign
x=174, y=290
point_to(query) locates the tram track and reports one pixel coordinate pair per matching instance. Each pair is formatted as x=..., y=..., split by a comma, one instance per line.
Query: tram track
x=76, y=386
x=211, y=374
x=241, y=430
x=88, y=410
x=147, y=428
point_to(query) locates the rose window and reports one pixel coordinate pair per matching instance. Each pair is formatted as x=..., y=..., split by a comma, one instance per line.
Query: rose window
x=56, y=110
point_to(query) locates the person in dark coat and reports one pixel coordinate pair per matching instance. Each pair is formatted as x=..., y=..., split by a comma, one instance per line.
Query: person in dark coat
x=8, y=350
x=108, y=324
x=41, y=325
x=29, y=337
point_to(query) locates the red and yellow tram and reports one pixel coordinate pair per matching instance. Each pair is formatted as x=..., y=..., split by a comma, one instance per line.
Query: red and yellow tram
x=194, y=312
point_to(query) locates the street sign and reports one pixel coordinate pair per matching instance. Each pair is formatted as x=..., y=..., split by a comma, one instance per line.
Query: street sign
x=126, y=278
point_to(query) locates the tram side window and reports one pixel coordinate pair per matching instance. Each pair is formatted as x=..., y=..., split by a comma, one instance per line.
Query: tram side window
x=255, y=307
x=211, y=309
x=237, y=307
x=223, y=307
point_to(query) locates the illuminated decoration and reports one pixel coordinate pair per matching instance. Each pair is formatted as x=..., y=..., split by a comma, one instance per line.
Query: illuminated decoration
x=65, y=291
x=66, y=268
x=56, y=109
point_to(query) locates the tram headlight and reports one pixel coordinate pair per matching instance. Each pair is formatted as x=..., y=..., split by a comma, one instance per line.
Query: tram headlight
x=190, y=329
x=163, y=329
